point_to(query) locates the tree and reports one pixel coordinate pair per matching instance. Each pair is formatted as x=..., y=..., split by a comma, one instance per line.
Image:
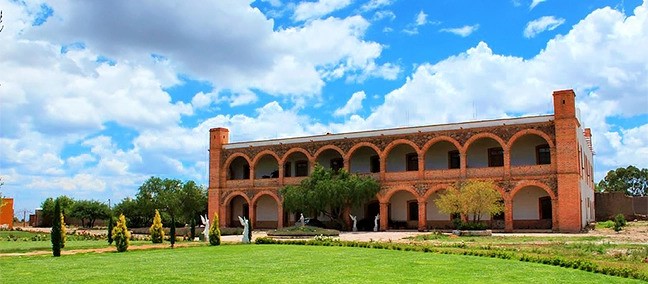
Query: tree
x=63, y=229
x=89, y=210
x=121, y=235
x=135, y=211
x=194, y=202
x=65, y=202
x=472, y=199
x=111, y=225
x=214, y=232
x=156, y=230
x=329, y=192
x=55, y=234
x=631, y=180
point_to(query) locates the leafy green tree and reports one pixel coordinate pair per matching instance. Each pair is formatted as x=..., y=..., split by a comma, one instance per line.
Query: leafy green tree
x=328, y=192
x=135, y=211
x=121, y=235
x=156, y=230
x=111, y=225
x=65, y=202
x=631, y=180
x=214, y=232
x=472, y=199
x=89, y=210
x=194, y=202
x=55, y=234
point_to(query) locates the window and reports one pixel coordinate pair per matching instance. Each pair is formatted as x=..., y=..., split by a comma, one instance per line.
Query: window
x=495, y=157
x=412, y=162
x=454, y=162
x=337, y=164
x=246, y=172
x=301, y=168
x=412, y=210
x=374, y=164
x=543, y=154
x=545, y=207
x=287, y=169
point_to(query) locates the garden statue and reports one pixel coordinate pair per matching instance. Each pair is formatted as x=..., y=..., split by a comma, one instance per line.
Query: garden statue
x=246, y=229
x=205, y=222
x=355, y=221
x=301, y=219
x=376, y=223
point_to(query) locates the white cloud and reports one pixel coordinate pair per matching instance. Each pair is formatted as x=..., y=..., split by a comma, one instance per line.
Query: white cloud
x=375, y=4
x=353, y=104
x=546, y=23
x=421, y=18
x=462, y=31
x=386, y=14
x=306, y=11
x=535, y=3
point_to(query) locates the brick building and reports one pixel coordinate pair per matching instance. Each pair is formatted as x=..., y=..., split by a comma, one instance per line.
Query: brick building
x=541, y=165
x=7, y=213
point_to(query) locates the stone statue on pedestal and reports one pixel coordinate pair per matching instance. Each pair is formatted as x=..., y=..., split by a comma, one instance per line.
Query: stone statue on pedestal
x=376, y=223
x=301, y=219
x=205, y=222
x=355, y=222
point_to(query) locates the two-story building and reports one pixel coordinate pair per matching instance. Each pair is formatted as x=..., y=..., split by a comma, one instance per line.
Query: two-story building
x=541, y=165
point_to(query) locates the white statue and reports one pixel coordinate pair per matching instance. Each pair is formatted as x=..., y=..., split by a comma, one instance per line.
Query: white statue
x=376, y=223
x=301, y=219
x=205, y=222
x=246, y=229
x=355, y=221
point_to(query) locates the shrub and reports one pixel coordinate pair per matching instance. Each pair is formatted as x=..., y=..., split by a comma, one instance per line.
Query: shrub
x=172, y=232
x=214, y=232
x=63, y=231
x=121, y=235
x=56, y=231
x=619, y=222
x=111, y=225
x=156, y=230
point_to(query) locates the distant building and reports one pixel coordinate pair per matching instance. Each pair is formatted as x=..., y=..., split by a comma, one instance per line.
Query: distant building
x=7, y=213
x=542, y=166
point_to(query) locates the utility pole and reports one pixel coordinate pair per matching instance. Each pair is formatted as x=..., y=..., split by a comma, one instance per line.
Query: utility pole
x=25, y=212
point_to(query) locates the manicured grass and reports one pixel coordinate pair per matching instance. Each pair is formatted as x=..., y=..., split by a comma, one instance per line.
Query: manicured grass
x=303, y=231
x=285, y=264
x=27, y=246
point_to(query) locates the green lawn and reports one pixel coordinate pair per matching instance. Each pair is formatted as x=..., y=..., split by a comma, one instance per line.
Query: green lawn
x=27, y=246
x=284, y=264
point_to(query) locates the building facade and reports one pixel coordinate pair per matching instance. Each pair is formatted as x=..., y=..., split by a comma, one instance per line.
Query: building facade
x=541, y=166
x=7, y=213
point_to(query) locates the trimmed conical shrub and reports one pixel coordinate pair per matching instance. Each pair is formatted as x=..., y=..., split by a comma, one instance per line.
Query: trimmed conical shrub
x=121, y=235
x=156, y=230
x=111, y=225
x=55, y=236
x=214, y=232
x=63, y=231
x=172, y=232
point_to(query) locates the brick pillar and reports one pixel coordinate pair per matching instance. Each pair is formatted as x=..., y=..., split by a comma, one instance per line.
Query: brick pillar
x=421, y=166
x=383, y=167
x=253, y=215
x=384, y=218
x=280, y=216
x=217, y=138
x=567, y=158
x=281, y=175
x=507, y=162
x=422, y=216
x=554, y=215
x=463, y=164
x=508, y=215
x=223, y=217
x=347, y=165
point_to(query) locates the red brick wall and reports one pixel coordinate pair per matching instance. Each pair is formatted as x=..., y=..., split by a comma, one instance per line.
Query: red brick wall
x=7, y=212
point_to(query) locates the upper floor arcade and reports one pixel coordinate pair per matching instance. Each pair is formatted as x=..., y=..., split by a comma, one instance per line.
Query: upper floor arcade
x=482, y=149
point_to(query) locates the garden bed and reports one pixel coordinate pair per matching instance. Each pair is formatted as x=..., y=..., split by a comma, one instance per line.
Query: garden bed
x=302, y=231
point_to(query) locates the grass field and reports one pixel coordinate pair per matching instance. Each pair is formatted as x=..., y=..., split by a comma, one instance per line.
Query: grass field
x=284, y=264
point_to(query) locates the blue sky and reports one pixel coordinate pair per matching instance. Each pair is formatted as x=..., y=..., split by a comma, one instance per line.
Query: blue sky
x=97, y=96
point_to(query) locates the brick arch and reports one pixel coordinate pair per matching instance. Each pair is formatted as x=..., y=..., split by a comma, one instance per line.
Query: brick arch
x=435, y=189
x=435, y=140
x=526, y=183
x=524, y=132
x=234, y=156
x=266, y=192
x=390, y=192
x=483, y=135
x=295, y=150
x=263, y=153
x=231, y=196
x=397, y=142
x=360, y=145
x=328, y=147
